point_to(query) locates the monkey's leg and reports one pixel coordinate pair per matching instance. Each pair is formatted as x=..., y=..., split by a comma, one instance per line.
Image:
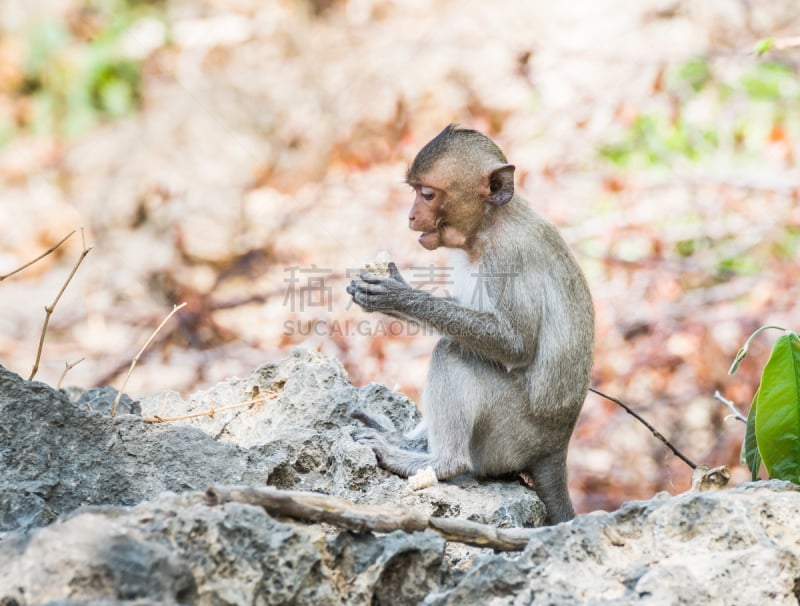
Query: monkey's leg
x=412, y=454
x=449, y=397
x=550, y=480
x=406, y=463
x=417, y=438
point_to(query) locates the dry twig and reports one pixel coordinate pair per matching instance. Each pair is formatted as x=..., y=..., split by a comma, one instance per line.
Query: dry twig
x=652, y=429
x=211, y=411
x=66, y=370
x=786, y=43
x=42, y=256
x=49, y=310
x=313, y=507
x=175, y=308
x=736, y=414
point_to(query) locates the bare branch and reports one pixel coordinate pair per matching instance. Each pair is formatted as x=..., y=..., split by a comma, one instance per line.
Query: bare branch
x=736, y=414
x=66, y=370
x=314, y=507
x=175, y=308
x=786, y=43
x=652, y=429
x=211, y=411
x=778, y=44
x=52, y=306
x=42, y=256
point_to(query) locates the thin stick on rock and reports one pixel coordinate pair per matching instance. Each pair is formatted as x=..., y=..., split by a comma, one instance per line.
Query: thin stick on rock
x=175, y=308
x=49, y=310
x=66, y=370
x=208, y=413
x=42, y=256
x=652, y=429
x=313, y=507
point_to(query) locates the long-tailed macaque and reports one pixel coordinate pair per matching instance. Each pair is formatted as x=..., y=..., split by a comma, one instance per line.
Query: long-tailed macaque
x=511, y=371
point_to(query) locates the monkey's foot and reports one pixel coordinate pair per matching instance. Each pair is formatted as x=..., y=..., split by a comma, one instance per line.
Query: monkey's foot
x=406, y=463
x=370, y=436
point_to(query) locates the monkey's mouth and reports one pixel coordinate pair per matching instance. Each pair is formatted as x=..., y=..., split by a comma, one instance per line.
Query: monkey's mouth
x=429, y=239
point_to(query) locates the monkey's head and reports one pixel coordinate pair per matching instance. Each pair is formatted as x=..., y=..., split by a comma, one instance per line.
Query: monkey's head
x=459, y=178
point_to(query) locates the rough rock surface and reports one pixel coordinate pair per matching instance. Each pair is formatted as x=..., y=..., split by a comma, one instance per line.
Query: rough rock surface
x=94, y=508
x=175, y=549
x=56, y=455
x=737, y=546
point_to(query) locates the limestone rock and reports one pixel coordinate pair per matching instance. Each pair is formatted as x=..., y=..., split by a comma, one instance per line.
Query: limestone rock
x=737, y=546
x=62, y=453
x=175, y=549
x=84, y=516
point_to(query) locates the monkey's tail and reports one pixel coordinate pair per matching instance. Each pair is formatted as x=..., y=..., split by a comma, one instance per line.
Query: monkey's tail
x=549, y=475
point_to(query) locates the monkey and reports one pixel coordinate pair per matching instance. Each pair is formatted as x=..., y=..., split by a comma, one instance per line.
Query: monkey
x=509, y=375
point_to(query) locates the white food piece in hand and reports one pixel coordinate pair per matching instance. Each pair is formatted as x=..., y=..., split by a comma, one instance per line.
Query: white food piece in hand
x=380, y=265
x=422, y=479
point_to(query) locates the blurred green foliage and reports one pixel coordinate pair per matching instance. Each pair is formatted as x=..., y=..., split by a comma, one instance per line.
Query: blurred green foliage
x=75, y=72
x=706, y=107
x=763, y=46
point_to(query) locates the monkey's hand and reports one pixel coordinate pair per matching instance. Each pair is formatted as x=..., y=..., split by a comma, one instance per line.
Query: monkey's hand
x=377, y=293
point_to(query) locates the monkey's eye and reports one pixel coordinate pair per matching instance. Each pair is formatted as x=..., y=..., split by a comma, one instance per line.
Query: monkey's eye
x=427, y=193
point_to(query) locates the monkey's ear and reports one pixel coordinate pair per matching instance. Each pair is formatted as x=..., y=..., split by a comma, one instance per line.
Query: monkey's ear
x=501, y=185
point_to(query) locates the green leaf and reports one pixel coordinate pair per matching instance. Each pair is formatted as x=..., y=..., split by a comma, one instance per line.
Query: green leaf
x=750, y=455
x=696, y=72
x=778, y=410
x=763, y=45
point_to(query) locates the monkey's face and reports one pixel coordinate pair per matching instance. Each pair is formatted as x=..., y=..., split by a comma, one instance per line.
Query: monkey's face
x=427, y=215
x=453, y=191
x=445, y=219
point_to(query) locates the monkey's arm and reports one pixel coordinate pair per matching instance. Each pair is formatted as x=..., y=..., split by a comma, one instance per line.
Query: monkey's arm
x=490, y=334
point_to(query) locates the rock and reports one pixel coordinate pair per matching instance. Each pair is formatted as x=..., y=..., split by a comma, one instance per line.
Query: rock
x=728, y=546
x=85, y=515
x=400, y=568
x=58, y=456
x=91, y=557
x=175, y=549
x=101, y=399
x=63, y=454
x=305, y=391
x=305, y=426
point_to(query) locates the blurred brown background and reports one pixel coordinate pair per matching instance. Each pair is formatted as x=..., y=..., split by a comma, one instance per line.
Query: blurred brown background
x=242, y=156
